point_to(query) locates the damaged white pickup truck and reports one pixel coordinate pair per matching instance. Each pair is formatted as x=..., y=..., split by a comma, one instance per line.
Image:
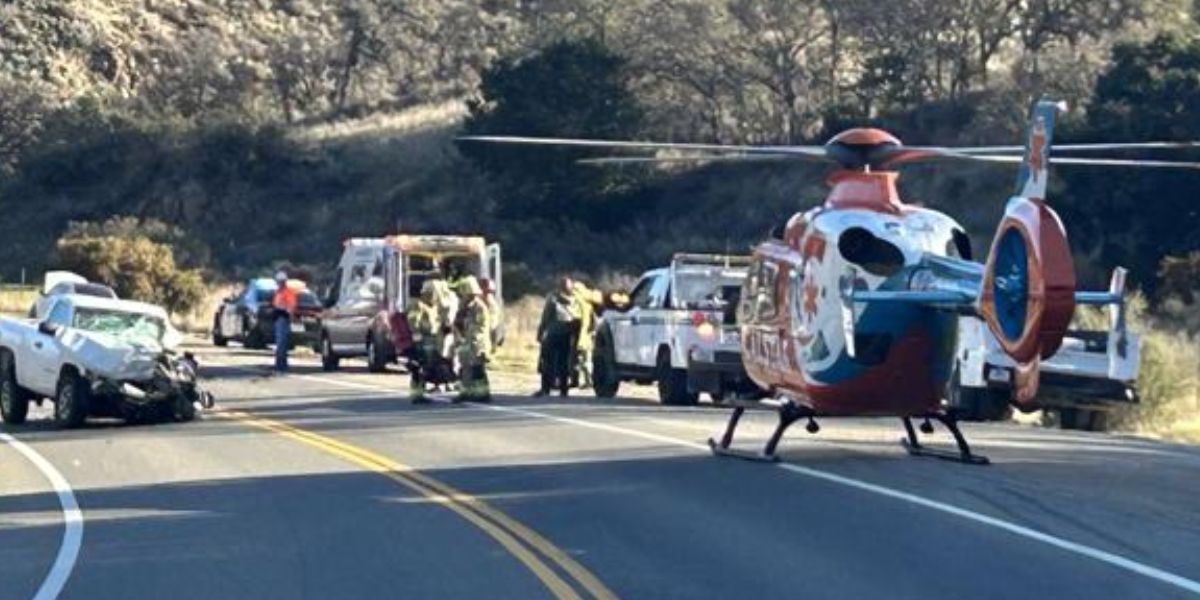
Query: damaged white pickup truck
x=95, y=356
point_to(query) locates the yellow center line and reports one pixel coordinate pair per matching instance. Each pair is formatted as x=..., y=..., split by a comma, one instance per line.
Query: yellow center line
x=505, y=530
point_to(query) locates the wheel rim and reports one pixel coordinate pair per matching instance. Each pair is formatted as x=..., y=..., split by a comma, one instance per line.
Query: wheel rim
x=66, y=403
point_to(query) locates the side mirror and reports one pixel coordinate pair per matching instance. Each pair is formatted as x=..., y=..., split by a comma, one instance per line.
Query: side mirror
x=48, y=328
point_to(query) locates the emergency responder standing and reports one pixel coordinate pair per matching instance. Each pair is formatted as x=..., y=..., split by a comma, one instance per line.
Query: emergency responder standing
x=447, y=303
x=587, y=298
x=428, y=325
x=475, y=345
x=284, y=305
x=558, y=334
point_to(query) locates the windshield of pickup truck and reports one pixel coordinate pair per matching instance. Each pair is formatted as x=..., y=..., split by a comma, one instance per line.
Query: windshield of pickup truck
x=124, y=326
x=707, y=288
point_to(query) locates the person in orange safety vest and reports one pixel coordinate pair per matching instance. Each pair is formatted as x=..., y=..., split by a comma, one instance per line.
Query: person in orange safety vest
x=284, y=302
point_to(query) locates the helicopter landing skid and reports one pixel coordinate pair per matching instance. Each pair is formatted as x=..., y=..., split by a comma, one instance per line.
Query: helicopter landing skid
x=916, y=448
x=788, y=413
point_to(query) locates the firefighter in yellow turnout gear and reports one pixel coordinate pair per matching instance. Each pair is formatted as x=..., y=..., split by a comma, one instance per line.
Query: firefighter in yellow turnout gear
x=429, y=323
x=475, y=342
x=588, y=299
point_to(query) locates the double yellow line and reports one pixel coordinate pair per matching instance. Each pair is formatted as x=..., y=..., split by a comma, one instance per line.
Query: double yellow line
x=523, y=543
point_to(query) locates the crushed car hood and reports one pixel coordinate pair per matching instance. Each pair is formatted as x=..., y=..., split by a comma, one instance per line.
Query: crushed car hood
x=107, y=356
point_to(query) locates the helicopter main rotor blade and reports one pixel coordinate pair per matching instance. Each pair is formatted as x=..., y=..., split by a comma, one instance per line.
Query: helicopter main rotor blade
x=812, y=151
x=1064, y=147
x=1057, y=160
x=628, y=160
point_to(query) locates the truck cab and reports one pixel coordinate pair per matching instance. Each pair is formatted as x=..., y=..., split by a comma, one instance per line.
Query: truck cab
x=678, y=331
x=377, y=278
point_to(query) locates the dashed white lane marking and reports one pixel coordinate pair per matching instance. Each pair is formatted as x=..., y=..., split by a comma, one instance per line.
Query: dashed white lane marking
x=68, y=549
x=1109, y=558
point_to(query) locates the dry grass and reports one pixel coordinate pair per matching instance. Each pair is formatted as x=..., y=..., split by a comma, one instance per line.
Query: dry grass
x=15, y=300
x=199, y=320
x=388, y=126
x=1169, y=380
x=520, y=349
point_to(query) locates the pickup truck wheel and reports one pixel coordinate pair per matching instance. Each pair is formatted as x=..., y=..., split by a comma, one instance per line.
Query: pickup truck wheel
x=329, y=360
x=14, y=401
x=254, y=340
x=605, y=381
x=184, y=409
x=218, y=339
x=978, y=404
x=1083, y=419
x=376, y=357
x=72, y=401
x=672, y=384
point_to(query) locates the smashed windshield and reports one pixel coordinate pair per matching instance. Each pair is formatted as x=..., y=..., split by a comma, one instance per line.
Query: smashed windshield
x=707, y=288
x=124, y=326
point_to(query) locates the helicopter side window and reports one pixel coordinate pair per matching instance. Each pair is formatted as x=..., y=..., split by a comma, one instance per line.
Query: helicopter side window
x=796, y=299
x=762, y=291
x=959, y=245
x=745, y=310
x=875, y=256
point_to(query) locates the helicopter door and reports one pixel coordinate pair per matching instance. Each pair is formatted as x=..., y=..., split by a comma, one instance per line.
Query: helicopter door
x=762, y=308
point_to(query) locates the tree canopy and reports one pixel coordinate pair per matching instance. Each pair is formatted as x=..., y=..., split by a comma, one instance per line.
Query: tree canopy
x=267, y=132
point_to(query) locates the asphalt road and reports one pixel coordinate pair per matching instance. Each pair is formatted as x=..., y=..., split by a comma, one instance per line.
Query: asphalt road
x=320, y=485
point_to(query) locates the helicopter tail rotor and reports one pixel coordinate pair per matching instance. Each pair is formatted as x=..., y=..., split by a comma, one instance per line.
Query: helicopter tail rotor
x=1027, y=296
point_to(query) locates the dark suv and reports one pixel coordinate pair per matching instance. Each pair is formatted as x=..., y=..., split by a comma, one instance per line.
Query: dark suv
x=246, y=317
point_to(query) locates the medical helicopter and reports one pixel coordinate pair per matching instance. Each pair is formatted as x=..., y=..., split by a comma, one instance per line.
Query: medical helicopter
x=851, y=308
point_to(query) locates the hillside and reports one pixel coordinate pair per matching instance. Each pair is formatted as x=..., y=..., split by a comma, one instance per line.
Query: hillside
x=268, y=130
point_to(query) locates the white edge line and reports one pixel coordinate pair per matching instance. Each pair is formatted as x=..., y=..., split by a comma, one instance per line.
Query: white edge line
x=1020, y=530
x=1109, y=558
x=72, y=538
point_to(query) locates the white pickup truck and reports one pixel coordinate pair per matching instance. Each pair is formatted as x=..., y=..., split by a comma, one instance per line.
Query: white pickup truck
x=678, y=331
x=94, y=356
x=1092, y=373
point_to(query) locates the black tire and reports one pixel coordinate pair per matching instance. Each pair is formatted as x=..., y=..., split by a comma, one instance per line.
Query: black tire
x=72, y=401
x=184, y=409
x=218, y=339
x=329, y=359
x=672, y=383
x=978, y=404
x=14, y=401
x=605, y=380
x=1083, y=419
x=253, y=337
x=377, y=360
x=1068, y=418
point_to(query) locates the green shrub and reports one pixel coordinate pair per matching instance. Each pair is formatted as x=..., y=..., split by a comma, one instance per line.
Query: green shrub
x=135, y=265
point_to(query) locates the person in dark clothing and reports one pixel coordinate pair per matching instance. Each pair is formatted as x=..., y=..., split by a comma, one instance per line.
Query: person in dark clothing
x=558, y=334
